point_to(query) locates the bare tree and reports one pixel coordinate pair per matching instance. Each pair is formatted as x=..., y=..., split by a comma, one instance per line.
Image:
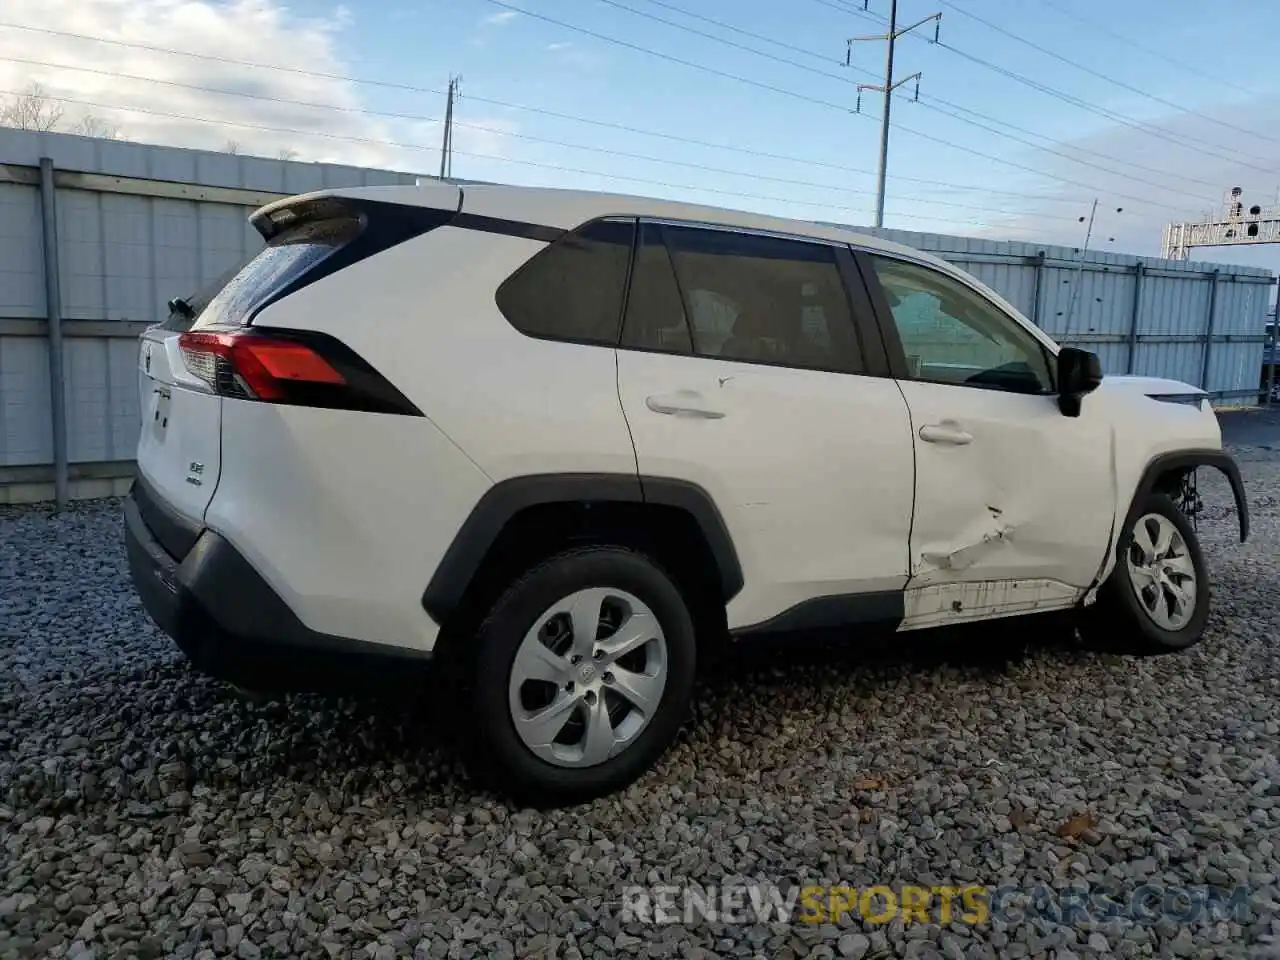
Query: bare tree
x=232, y=147
x=91, y=125
x=31, y=110
x=287, y=153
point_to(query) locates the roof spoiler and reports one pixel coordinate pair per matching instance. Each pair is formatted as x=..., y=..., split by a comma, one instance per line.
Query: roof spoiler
x=293, y=211
x=288, y=212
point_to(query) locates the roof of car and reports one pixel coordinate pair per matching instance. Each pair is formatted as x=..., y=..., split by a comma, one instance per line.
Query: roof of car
x=566, y=209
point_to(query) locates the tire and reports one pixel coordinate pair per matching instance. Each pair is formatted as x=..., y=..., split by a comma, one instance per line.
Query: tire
x=598, y=740
x=1121, y=621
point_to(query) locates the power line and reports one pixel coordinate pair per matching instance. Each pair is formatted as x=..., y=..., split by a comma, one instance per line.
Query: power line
x=816, y=55
x=1034, y=146
x=711, y=36
x=454, y=122
x=986, y=128
x=1070, y=146
x=1121, y=85
x=1181, y=64
x=697, y=66
x=746, y=33
x=602, y=124
x=672, y=59
x=1180, y=141
x=1023, y=166
x=1184, y=141
x=403, y=145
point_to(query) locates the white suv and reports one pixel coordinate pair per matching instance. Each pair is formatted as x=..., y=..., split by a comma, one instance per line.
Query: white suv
x=559, y=442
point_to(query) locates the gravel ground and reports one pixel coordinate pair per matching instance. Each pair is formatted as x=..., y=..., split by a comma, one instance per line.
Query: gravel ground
x=147, y=811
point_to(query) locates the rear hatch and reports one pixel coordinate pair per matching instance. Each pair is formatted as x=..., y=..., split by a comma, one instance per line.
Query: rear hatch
x=183, y=381
x=178, y=447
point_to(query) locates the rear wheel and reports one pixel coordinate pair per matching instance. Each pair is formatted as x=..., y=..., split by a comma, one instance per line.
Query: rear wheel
x=1157, y=597
x=580, y=677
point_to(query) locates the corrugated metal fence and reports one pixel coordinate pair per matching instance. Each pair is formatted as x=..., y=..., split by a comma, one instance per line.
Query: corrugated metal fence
x=137, y=225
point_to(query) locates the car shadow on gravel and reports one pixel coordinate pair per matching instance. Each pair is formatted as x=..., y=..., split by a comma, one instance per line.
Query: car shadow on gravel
x=991, y=647
x=359, y=743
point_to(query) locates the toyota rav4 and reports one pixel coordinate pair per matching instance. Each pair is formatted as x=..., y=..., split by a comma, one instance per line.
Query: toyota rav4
x=558, y=443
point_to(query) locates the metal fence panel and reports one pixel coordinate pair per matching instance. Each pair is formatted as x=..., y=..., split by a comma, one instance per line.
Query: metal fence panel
x=26, y=431
x=21, y=261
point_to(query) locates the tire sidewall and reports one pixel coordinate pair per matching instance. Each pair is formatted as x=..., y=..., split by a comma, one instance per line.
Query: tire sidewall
x=1124, y=595
x=499, y=747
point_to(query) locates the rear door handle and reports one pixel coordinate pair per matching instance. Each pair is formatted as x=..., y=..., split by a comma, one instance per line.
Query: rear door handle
x=682, y=403
x=948, y=431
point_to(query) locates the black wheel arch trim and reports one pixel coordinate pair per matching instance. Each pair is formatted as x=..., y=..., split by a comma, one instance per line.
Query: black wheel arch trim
x=1159, y=465
x=481, y=529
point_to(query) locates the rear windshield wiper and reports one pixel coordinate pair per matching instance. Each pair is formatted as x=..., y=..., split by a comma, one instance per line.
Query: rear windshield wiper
x=182, y=308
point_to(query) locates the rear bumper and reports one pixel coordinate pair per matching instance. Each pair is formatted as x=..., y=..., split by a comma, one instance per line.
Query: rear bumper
x=232, y=625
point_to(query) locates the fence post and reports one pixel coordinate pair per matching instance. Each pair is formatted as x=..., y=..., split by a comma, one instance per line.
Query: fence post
x=1036, y=284
x=1208, y=330
x=1138, y=269
x=1271, y=352
x=53, y=312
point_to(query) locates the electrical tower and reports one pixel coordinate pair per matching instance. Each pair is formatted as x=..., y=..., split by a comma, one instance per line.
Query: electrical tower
x=889, y=85
x=1236, y=224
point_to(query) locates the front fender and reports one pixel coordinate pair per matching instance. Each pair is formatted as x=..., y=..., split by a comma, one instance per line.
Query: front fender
x=1157, y=467
x=1189, y=460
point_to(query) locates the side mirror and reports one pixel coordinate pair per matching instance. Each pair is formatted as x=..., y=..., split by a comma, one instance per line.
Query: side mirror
x=180, y=306
x=1079, y=372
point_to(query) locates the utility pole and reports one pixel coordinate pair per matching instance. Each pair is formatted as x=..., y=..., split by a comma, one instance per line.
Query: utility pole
x=887, y=88
x=446, y=142
x=1079, y=281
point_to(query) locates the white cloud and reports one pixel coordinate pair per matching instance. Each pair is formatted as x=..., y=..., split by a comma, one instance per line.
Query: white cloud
x=258, y=31
x=500, y=18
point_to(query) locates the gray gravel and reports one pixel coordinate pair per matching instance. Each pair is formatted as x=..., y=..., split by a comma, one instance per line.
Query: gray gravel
x=147, y=811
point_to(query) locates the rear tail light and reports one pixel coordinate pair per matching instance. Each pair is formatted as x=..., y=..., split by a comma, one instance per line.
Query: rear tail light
x=300, y=368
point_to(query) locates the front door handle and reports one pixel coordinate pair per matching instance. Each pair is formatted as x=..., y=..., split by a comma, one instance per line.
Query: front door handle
x=948, y=431
x=682, y=403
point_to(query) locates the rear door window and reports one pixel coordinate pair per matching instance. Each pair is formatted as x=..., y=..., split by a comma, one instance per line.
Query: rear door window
x=741, y=296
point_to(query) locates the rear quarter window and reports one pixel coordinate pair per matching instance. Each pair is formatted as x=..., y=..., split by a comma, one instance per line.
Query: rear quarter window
x=573, y=289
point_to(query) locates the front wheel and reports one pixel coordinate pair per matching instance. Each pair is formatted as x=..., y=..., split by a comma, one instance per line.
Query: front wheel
x=1157, y=597
x=580, y=677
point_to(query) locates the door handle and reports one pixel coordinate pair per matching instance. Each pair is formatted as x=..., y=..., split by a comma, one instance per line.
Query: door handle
x=682, y=403
x=948, y=431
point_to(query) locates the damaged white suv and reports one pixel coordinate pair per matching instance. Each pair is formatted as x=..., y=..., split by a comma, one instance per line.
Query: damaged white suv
x=558, y=443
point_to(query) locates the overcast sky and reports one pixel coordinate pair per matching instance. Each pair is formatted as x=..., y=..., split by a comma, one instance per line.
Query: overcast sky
x=1155, y=107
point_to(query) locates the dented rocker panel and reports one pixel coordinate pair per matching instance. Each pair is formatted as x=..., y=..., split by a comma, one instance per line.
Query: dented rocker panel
x=951, y=603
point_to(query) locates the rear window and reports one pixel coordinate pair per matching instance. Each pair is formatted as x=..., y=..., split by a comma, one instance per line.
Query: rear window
x=284, y=260
x=183, y=310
